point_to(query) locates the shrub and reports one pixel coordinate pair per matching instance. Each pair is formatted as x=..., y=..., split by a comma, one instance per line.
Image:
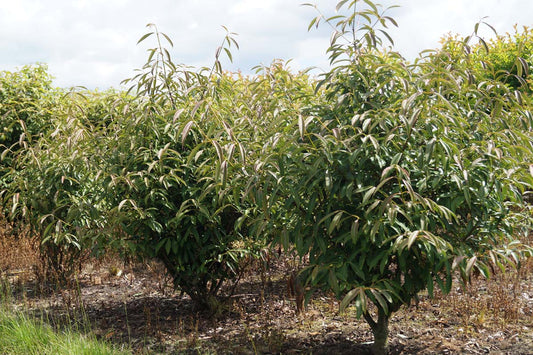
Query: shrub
x=402, y=178
x=55, y=188
x=173, y=174
x=26, y=101
x=506, y=58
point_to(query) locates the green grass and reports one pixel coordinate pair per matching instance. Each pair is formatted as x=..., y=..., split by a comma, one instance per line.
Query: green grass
x=20, y=334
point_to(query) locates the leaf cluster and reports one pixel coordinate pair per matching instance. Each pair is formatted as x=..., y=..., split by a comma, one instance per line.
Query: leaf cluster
x=505, y=58
x=400, y=176
x=390, y=177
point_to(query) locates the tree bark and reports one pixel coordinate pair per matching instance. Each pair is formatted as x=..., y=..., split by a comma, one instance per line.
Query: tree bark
x=380, y=330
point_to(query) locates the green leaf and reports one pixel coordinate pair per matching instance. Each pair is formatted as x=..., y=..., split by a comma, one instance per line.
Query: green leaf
x=413, y=236
x=392, y=20
x=185, y=131
x=368, y=194
x=396, y=159
x=314, y=21
x=340, y=4
x=348, y=299
x=301, y=126
x=381, y=302
x=469, y=265
x=145, y=37
x=168, y=39
x=429, y=285
x=228, y=53
x=335, y=222
x=224, y=173
x=218, y=149
x=389, y=38
x=333, y=281
x=354, y=231
x=328, y=180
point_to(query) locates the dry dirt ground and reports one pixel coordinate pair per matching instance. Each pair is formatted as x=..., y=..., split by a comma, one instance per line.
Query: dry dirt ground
x=135, y=307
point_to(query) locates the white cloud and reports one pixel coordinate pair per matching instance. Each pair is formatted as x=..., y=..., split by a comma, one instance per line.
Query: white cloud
x=423, y=23
x=310, y=53
x=93, y=42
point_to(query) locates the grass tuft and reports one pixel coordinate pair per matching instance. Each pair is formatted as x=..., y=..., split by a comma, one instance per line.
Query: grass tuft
x=20, y=334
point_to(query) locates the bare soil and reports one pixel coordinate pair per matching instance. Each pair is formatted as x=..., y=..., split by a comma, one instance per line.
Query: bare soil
x=135, y=307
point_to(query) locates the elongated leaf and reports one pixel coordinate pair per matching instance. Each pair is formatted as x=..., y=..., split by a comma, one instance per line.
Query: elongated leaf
x=228, y=53
x=162, y=151
x=185, y=131
x=177, y=114
x=348, y=299
x=224, y=173
x=392, y=20
x=354, y=231
x=335, y=222
x=333, y=281
x=242, y=152
x=340, y=4
x=457, y=260
x=145, y=37
x=470, y=265
x=389, y=38
x=218, y=148
x=314, y=21
x=368, y=194
x=230, y=150
x=380, y=300
x=523, y=65
x=301, y=126
x=168, y=39
x=15, y=202
x=412, y=238
x=123, y=202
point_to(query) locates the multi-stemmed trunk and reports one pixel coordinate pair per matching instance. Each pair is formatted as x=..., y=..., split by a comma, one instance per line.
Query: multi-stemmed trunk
x=380, y=330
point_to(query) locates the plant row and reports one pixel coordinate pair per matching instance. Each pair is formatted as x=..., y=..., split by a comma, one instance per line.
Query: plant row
x=390, y=176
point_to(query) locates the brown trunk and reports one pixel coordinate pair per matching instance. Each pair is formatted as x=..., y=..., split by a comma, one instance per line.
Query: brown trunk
x=380, y=330
x=296, y=290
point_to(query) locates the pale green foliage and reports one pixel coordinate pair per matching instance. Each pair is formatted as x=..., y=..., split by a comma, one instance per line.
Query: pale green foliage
x=26, y=101
x=176, y=172
x=506, y=58
x=25, y=105
x=358, y=27
x=55, y=183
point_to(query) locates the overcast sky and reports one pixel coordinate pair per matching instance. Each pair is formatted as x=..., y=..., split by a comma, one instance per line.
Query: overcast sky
x=92, y=43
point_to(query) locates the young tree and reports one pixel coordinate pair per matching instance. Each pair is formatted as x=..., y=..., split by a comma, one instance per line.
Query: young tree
x=175, y=173
x=54, y=187
x=401, y=178
x=27, y=100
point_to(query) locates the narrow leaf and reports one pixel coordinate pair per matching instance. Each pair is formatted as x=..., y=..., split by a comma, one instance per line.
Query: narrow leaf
x=145, y=37
x=185, y=131
x=219, y=151
x=168, y=39
x=301, y=126
x=348, y=299
x=469, y=265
